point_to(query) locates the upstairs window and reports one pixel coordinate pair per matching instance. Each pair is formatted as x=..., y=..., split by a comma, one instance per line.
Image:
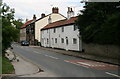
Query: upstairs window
x=54, y=30
x=75, y=27
x=27, y=31
x=62, y=29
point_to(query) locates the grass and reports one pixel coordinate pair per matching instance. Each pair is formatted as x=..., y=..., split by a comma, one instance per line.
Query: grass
x=0, y=65
x=7, y=67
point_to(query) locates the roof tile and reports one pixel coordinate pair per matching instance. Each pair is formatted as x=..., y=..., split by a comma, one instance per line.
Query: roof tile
x=60, y=23
x=28, y=22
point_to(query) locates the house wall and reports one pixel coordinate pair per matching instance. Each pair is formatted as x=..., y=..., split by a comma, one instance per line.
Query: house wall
x=69, y=32
x=23, y=34
x=43, y=22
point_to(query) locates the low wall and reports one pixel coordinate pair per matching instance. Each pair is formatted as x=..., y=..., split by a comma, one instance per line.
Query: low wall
x=111, y=51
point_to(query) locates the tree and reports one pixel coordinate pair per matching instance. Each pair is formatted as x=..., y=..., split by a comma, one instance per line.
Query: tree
x=94, y=22
x=9, y=33
x=18, y=23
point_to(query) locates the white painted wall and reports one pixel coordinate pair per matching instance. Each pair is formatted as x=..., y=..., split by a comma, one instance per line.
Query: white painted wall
x=43, y=22
x=69, y=32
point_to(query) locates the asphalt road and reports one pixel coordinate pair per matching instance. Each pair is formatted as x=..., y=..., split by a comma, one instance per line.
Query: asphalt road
x=63, y=65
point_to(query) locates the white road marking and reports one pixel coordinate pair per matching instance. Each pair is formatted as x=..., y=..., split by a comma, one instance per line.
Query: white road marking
x=37, y=52
x=84, y=63
x=53, y=57
x=76, y=64
x=112, y=74
x=47, y=55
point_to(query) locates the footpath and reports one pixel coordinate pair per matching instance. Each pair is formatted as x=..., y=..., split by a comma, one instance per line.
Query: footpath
x=82, y=55
x=24, y=67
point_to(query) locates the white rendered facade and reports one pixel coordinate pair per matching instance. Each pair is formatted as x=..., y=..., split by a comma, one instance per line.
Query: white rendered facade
x=65, y=37
x=44, y=21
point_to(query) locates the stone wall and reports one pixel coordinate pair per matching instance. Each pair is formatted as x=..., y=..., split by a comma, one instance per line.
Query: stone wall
x=111, y=51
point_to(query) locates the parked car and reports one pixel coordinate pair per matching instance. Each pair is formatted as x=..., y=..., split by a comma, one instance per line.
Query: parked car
x=24, y=43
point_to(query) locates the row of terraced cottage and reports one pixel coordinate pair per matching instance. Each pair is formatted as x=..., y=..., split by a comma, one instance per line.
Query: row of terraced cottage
x=53, y=30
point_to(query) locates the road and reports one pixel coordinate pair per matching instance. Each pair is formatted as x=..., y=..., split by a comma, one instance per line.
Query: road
x=66, y=66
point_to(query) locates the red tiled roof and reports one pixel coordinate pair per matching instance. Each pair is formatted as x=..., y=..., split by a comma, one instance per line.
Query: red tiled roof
x=28, y=22
x=60, y=23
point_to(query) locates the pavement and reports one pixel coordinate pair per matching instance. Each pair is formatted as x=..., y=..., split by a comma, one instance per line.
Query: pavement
x=82, y=55
x=23, y=67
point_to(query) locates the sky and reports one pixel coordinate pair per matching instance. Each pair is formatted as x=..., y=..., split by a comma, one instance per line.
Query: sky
x=25, y=9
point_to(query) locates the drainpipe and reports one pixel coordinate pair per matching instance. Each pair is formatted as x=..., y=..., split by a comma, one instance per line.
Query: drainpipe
x=80, y=41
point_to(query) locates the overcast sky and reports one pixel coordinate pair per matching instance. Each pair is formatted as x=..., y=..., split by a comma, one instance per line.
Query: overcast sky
x=26, y=8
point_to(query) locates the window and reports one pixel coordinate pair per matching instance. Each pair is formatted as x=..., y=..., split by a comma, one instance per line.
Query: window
x=55, y=40
x=62, y=29
x=54, y=30
x=27, y=31
x=47, y=40
x=75, y=27
x=62, y=40
x=66, y=40
x=74, y=41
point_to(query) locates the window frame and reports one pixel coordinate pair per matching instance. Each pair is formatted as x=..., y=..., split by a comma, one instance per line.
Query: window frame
x=74, y=41
x=62, y=40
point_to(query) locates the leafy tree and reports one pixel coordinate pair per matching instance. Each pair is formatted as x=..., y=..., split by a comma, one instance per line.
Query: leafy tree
x=94, y=22
x=9, y=33
x=18, y=23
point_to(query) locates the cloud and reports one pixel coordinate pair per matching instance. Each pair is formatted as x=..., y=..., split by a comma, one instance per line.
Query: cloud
x=26, y=8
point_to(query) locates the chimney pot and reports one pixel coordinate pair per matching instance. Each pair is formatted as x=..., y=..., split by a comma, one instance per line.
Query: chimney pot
x=34, y=17
x=42, y=15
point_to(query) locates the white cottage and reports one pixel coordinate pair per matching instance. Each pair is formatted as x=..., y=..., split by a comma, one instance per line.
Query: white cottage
x=62, y=34
x=46, y=19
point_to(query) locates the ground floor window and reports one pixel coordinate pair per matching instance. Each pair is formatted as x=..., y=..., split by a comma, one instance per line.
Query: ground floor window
x=62, y=40
x=55, y=40
x=74, y=41
x=47, y=40
x=66, y=40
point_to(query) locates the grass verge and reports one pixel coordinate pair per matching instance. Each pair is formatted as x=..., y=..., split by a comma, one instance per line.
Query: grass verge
x=7, y=67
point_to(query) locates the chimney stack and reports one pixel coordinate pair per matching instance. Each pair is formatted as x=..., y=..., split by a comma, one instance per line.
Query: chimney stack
x=55, y=10
x=26, y=19
x=70, y=13
x=34, y=17
x=42, y=15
